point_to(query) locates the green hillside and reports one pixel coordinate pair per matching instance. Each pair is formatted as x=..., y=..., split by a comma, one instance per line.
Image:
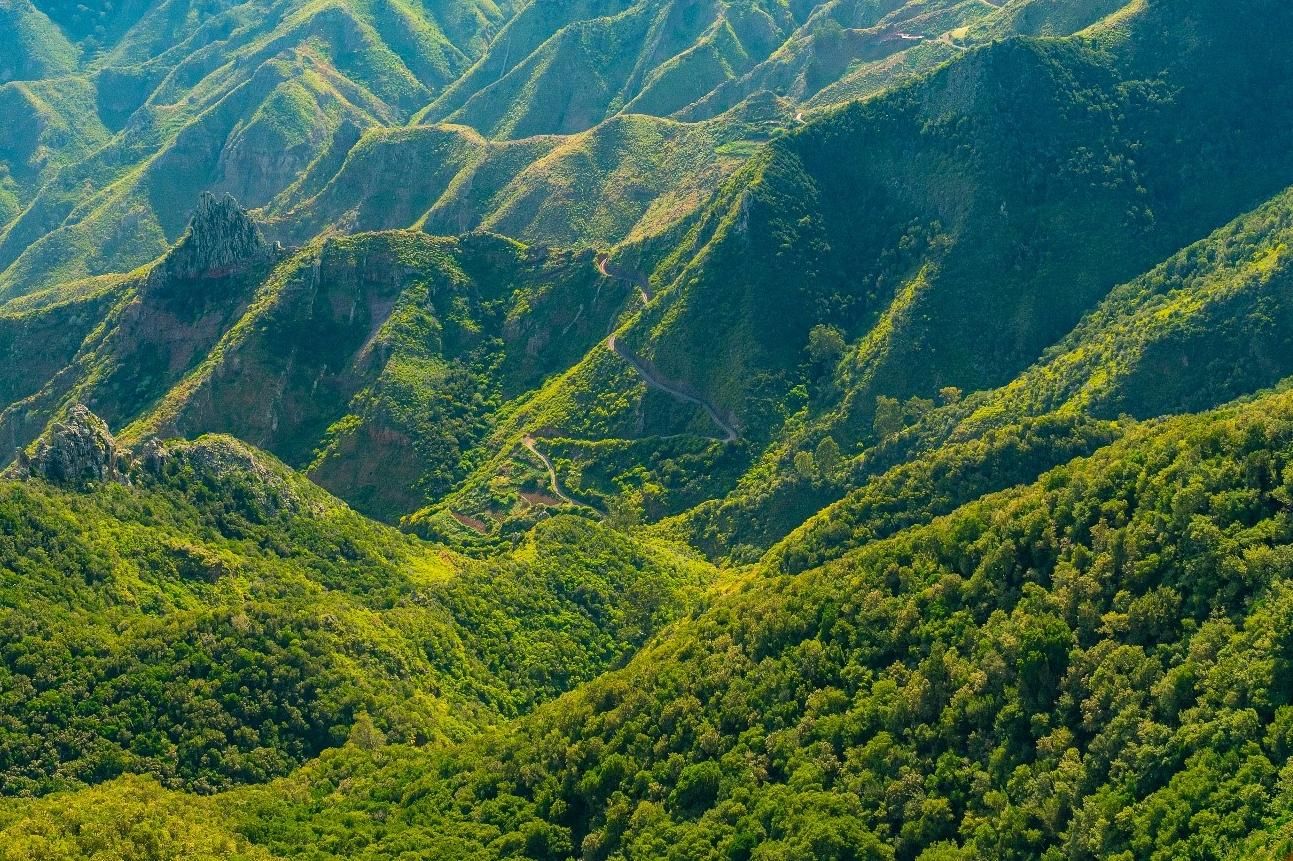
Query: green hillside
x=291, y=105
x=1086, y=667
x=630, y=177
x=241, y=100
x=1208, y=325
x=888, y=245
x=1107, y=640
x=33, y=47
x=400, y=349
x=659, y=429
x=215, y=618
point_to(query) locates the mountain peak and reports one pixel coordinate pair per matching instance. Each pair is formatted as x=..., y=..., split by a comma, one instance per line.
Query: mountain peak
x=222, y=237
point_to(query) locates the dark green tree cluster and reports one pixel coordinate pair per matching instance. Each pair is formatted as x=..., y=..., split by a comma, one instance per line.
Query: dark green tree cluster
x=1095, y=666
x=222, y=621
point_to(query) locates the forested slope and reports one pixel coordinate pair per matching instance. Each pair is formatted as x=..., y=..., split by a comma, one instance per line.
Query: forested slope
x=664, y=429
x=1084, y=667
x=201, y=613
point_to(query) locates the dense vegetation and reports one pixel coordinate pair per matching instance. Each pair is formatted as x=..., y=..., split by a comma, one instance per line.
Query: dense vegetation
x=1093, y=666
x=221, y=620
x=1087, y=667
x=648, y=429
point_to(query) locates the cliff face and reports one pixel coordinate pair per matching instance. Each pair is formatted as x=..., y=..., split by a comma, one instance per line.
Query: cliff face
x=222, y=239
x=76, y=451
x=149, y=331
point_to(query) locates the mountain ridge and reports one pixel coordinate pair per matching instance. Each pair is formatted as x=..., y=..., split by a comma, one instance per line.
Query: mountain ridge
x=664, y=429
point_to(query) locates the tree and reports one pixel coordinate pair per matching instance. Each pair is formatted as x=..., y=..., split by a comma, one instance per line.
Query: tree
x=805, y=466
x=950, y=394
x=828, y=457
x=626, y=509
x=915, y=408
x=825, y=345
x=888, y=416
x=364, y=734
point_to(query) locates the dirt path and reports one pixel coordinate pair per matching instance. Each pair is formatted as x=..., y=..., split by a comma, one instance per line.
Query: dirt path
x=637, y=279
x=651, y=379
x=528, y=442
x=946, y=39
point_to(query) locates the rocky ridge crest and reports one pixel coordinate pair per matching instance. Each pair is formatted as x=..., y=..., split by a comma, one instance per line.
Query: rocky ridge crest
x=222, y=238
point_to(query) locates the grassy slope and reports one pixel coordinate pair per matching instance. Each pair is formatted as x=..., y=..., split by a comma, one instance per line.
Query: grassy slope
x=41, y=336
x=132, y=338
x=241, y=101
x=251, y=97
x=32, y=46
x=629, y=176
x=668, y=58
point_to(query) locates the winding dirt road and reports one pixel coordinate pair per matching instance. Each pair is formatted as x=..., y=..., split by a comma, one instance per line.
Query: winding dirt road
x=643, y=285
x=651, y=379
x=528, y=442
x=946, y=39
x=637, y=279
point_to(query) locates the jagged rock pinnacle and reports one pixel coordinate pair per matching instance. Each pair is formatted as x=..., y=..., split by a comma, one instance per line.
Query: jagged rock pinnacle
x=75, y=451
x=221, y=238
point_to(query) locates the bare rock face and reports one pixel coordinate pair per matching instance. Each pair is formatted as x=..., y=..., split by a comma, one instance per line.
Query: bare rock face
x=222, y=238
x=76, y=451
x=153, y=456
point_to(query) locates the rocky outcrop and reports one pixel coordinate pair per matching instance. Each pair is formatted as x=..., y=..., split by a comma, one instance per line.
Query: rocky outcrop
x=153, y=456
x=222, y=239
x=79, y=452
x=76, y=451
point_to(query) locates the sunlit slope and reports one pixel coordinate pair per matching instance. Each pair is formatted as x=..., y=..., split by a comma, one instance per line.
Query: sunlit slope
x=1124, y=608
x=243, y=101
x=1210, y=324
x=199, y=612
x=630, y=176
x=289, y=104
